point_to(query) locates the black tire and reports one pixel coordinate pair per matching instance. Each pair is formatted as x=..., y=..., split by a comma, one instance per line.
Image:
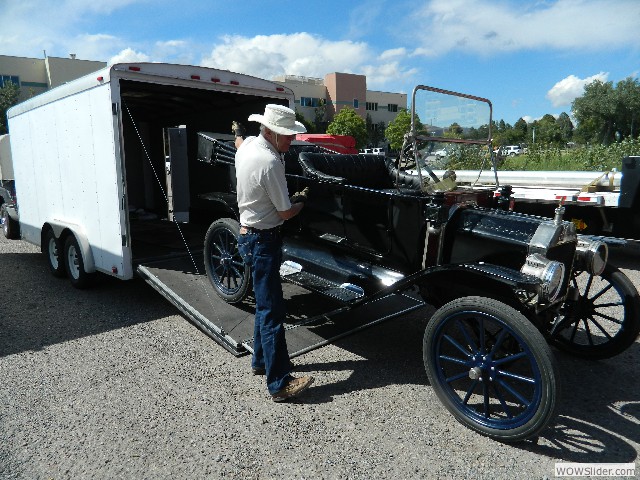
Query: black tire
x=227, y=272
x=491, y=368
x=604, y=320
x=53, y=252
x=74, y=264
x=10, y=228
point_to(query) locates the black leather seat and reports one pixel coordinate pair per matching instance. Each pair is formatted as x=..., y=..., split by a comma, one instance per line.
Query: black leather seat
x=368, y=171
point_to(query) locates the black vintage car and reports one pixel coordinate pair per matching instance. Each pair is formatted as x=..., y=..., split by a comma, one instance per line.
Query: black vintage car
x=505, y=285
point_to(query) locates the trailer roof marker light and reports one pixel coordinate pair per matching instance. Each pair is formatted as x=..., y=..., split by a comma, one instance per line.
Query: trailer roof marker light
x=100, y=78
x=195, y=77
x=134, y=69
x=215, y=80
x=234, y=82
x=280, y=89
x=114, y=270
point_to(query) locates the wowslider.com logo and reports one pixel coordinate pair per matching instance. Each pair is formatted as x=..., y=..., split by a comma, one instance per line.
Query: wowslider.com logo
x=595, y=469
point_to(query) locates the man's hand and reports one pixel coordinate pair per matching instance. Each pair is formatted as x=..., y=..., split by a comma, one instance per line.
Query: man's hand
x=238, y=129
x=300, y=197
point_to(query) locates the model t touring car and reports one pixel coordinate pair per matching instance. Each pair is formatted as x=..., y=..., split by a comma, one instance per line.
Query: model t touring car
x=506, y=286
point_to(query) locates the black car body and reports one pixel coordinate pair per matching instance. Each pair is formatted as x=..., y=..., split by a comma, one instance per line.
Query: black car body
x=505, y=284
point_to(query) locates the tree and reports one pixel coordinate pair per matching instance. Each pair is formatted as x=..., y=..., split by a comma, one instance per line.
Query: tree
x=348, y=122
x=520, y=131
x=628, y=107
x=400, y=126
x=308, y=125
x=595, y=112
x=8, y=98
x=565, y=125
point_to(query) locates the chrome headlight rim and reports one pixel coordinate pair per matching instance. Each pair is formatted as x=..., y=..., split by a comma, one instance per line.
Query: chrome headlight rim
x=551, y=274
x=592, y=256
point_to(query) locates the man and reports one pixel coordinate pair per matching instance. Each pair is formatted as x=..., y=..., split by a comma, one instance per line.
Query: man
x=263, y=200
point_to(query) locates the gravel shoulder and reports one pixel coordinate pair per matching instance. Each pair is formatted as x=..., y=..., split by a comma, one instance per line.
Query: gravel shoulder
x=113, y=382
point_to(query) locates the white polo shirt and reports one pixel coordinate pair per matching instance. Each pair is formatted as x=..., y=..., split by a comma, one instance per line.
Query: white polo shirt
x=261, y=184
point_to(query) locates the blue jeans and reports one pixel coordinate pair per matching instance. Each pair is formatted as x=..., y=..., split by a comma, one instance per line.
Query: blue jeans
x=263, y=252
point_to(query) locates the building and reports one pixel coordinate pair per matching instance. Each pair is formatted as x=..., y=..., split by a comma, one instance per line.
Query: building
x=37, y=75
x=339, y=90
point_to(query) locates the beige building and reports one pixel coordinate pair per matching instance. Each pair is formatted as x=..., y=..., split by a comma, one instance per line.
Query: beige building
x=340, y=90
x=36, y=75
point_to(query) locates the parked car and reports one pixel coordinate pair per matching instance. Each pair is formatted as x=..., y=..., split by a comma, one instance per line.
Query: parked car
x=505, y=285
x=509, y=150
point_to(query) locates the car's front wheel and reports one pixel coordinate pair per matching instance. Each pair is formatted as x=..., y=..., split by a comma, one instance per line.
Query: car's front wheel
x=227, y=272
x=491, y=368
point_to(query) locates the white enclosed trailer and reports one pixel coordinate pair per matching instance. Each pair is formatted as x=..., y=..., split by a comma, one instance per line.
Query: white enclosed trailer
x=91, y=162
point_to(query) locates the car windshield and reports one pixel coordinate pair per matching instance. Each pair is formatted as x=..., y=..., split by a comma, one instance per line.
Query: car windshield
x=449, y=131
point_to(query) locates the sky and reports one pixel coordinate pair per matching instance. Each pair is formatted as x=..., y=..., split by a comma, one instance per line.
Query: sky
x=530, y=58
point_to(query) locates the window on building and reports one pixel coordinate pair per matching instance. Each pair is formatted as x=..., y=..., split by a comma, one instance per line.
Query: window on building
x=372, y=106
x=310, y=102
x=392, y=107
x=356, y=103
x=5, y=79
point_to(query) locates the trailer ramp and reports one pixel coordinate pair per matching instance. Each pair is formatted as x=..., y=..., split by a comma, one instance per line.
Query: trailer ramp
x=312, y=320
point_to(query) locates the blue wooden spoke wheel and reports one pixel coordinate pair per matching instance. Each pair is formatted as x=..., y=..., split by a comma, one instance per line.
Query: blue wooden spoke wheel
x=227, y=272
x=491, y=368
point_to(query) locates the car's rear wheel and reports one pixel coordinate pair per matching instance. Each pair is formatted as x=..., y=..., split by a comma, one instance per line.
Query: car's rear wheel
x=603, y=319
x=226, y=270
x=491, y=368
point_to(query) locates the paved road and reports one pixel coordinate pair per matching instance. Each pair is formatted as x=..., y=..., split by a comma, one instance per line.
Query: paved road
x=114, y=383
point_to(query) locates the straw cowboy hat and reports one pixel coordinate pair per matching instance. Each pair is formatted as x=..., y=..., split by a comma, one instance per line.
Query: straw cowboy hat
x=279, y=119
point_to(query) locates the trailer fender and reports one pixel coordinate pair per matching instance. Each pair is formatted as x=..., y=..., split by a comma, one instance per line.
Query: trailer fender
x=62, y=230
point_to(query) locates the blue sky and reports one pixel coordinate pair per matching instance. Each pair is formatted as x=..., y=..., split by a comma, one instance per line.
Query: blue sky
x=528, y=57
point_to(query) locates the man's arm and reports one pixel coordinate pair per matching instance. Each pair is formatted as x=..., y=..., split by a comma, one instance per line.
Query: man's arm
x=292, y=212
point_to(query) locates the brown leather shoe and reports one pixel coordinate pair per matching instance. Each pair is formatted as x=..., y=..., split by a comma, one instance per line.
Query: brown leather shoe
x=294, y=387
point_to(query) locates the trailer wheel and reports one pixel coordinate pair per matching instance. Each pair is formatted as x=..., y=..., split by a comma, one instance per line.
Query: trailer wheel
x=491, y=368
x=10, y=227
x=604, y=320
x=227, y=272
x=74, y=264
x=53, y=252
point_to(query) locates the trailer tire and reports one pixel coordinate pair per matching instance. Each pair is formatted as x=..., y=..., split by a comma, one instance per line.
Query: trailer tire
x=74, y=264
x=53, y=251
x=491, y=368
x=10, y=228
x=226, y=270
x=605, y=319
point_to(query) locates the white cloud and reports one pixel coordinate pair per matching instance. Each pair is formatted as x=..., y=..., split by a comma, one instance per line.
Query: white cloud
x=129, y=55
x=304, y=54
x=568, y=89
x=487, y=27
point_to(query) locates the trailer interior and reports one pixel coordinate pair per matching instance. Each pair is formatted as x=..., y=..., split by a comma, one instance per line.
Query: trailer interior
x=161, y=174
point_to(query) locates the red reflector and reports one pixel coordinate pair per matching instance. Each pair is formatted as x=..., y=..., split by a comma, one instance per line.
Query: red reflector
x=114, y=269
x=100, y=79
x=234, y=82
x=215, y=80
x=135, y=69
x=195, y=77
